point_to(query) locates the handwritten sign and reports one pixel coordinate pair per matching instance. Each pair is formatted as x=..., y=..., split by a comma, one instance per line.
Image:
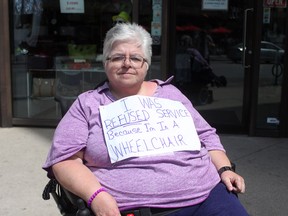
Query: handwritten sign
x=72, y=6
x=138, y=126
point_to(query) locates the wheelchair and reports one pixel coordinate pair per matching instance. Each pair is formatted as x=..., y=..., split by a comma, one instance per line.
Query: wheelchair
x=194, y=76
x=71, y=205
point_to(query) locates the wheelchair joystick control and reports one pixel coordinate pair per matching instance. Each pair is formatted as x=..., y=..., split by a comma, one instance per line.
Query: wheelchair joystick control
x=82, y=209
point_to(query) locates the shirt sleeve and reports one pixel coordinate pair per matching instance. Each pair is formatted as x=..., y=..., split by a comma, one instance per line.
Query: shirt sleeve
x=70, y=136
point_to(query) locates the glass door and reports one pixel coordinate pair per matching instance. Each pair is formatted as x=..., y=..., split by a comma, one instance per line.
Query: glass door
x=271, y=66
x=209, y=59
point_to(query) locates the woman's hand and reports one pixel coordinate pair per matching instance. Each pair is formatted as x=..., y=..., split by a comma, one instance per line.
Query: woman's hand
x=105, y=205
x=233, y=181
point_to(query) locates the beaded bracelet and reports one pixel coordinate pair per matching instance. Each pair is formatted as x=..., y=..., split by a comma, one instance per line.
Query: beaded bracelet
x=94, y=195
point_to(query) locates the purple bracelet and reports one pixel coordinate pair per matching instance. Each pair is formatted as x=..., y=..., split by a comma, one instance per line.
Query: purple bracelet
x=94, y=195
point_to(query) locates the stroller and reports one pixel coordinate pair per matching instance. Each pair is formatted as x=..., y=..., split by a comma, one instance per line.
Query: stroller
x=194, y=75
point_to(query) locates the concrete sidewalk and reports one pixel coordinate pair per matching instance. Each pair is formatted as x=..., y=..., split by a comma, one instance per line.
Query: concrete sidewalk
x=263, y=164
x=261, y=161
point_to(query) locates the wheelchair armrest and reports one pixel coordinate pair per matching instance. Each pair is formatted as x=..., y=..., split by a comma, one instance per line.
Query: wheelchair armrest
x=68, y=203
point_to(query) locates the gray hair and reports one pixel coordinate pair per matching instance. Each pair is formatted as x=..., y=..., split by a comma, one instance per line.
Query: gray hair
x=124, y=32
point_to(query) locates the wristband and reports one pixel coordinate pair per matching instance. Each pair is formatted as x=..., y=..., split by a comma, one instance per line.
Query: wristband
x=94, y=195
x=223, y=169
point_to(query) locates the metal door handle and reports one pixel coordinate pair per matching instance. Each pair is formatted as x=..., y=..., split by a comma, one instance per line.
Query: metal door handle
x=244, y=37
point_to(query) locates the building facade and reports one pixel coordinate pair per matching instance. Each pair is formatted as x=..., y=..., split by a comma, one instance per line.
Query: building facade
x=51, y=52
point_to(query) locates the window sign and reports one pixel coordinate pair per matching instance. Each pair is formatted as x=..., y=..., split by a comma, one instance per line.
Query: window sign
x=156, y=22
x=266, y=15
x=72, y=6
x=215, y=4
x=275, y=3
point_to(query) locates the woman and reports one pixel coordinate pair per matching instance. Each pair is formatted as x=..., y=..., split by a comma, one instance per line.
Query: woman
x=181, y=181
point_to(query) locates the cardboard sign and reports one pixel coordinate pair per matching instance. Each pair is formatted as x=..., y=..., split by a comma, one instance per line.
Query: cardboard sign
x=138, y=126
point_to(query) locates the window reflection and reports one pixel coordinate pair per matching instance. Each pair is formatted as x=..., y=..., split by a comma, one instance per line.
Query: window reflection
x=57, y=50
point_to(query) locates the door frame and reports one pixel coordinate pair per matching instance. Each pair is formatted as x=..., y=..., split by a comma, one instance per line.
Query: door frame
x=5, y=74
x=283, y=127
x=252, y=66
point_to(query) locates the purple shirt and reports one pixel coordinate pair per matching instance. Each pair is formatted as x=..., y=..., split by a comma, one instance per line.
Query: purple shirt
x=180, y=179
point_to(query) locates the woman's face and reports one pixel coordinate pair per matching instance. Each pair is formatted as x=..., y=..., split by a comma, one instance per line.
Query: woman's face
x=126, y=66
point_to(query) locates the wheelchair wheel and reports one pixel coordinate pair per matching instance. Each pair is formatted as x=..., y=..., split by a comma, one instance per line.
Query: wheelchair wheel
x=204, y=96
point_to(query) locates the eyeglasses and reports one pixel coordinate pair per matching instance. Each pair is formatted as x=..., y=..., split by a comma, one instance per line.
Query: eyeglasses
x=118, y=22
x=136, y=61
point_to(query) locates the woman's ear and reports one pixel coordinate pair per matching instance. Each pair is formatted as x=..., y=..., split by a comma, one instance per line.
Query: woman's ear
x=147, y=65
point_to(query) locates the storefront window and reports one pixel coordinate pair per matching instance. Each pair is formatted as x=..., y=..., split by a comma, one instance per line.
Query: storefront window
x=151, y=20
x=56, y=51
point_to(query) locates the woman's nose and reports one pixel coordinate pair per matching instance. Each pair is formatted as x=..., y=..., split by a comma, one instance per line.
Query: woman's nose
x=127, y=62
